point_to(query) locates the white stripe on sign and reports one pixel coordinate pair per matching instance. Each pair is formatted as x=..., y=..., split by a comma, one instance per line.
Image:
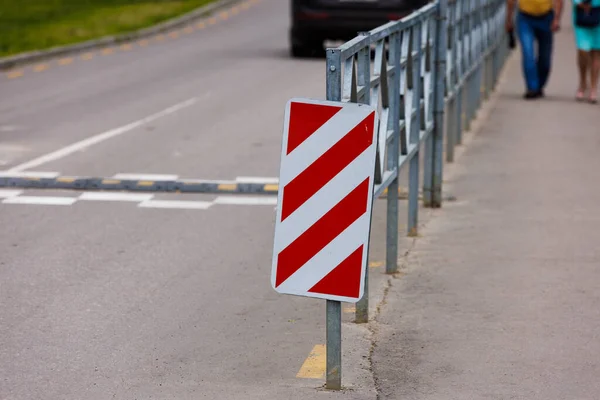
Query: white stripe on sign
x=257, y=179
x=327, y=259
x=29, y=174
x=190, y=205
x=323, y=201
x=6, y=193
x=246, y=200
x=146, y=177
x=41, y=200
x=319, y=142
x=108, y=196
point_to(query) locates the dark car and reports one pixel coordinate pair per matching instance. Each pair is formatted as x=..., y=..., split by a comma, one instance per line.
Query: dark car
x=314, y=21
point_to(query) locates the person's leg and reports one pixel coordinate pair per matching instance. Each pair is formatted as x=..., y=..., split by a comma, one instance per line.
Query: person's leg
x=583, y=62
x=583, y=43
x=545, y=37
x=530, y=70
x=595, y=61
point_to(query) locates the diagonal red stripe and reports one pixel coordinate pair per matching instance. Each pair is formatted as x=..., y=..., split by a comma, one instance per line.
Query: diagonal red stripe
x=327, y=166
x=343, y=280
x=305, y=119
x=315, y=238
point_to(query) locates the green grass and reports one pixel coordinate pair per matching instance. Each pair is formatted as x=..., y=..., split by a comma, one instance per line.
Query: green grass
x=27, y=25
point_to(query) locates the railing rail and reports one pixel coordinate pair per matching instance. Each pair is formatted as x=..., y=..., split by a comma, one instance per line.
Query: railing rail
x=429, y=75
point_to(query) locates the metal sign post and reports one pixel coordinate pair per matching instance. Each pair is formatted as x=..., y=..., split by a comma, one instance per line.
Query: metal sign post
x=325, y=200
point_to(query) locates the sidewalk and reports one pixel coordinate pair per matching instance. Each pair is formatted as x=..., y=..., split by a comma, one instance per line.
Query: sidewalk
x=500, y=298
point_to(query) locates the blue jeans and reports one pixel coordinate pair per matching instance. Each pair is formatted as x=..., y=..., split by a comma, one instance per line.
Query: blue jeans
x=536, y=68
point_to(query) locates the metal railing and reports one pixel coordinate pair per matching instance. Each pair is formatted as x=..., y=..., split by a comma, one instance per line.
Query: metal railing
x=420, y=89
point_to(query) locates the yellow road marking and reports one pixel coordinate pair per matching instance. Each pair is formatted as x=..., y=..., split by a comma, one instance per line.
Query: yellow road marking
x=271, y=188
x=227, y=186
x=65, y=180
x=107, y=51
x=224, y=15
x=212, y=21
x=145, y=183
x=235, y=10
x=126, y=47
x=314, y=365
x=110, y=181
x=349, y=310
x=160, y=38
x=14, y=74
x=200, y=25
x=65, y=61
x=87, y=56
x=40, y=67
x=174, y=35
x=376, y=264
x=189, y=29
x=144, y=42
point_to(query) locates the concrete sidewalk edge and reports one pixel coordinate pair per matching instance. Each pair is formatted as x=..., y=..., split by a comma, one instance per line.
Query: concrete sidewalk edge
x=37, y=55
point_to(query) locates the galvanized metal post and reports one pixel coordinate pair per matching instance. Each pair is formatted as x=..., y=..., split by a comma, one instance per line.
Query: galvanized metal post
x=452, y=82
x=333, y=332
x=364, y=79
x=391, y=255
x=440, y=90
x=413, y=169
x=426, y=121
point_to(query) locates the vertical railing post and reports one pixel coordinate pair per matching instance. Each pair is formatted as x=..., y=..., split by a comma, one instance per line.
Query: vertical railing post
x=364, y=80
x=439, y=96
x=415, y=131
x=451, y=82
x=333, y=368
x=430, y=46
x=391, y=257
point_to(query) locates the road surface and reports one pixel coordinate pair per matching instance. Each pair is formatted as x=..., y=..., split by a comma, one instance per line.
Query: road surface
x=164, y=296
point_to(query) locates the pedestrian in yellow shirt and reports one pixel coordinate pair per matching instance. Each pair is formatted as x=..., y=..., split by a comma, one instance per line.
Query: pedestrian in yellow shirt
x=537, y=20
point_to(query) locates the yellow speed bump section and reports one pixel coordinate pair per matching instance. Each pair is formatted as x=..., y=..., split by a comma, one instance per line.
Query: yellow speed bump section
x=110, y=181
x=229, y=187
x=65, y=179
x=314, y=365
x=145, y=183
x=271, y=188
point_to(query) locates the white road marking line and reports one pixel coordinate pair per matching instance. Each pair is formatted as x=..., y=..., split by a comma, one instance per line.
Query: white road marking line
x=246, y=200
x=29, y=174
x=41, y=200
x=146, y=177
x=9, y=128
x=108, y=196
x=101, y=137
x=257, y=179
x=192, y=205
x=6, y=193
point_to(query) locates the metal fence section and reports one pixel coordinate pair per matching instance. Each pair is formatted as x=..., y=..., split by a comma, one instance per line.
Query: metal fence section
x=429, y=74
x=477, y=50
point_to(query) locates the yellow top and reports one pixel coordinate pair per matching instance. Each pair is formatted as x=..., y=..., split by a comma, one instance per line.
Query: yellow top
x=536, y=7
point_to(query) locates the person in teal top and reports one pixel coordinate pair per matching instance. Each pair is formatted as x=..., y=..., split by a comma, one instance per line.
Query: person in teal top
x=587, y=40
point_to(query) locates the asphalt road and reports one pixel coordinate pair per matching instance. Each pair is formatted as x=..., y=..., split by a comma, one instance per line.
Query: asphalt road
x=106, y=299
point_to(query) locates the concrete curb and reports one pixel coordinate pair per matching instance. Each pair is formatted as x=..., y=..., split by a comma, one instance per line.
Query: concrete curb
x=37, y=55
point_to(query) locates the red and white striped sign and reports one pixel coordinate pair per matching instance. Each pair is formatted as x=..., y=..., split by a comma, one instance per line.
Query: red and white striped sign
x=324, y=200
